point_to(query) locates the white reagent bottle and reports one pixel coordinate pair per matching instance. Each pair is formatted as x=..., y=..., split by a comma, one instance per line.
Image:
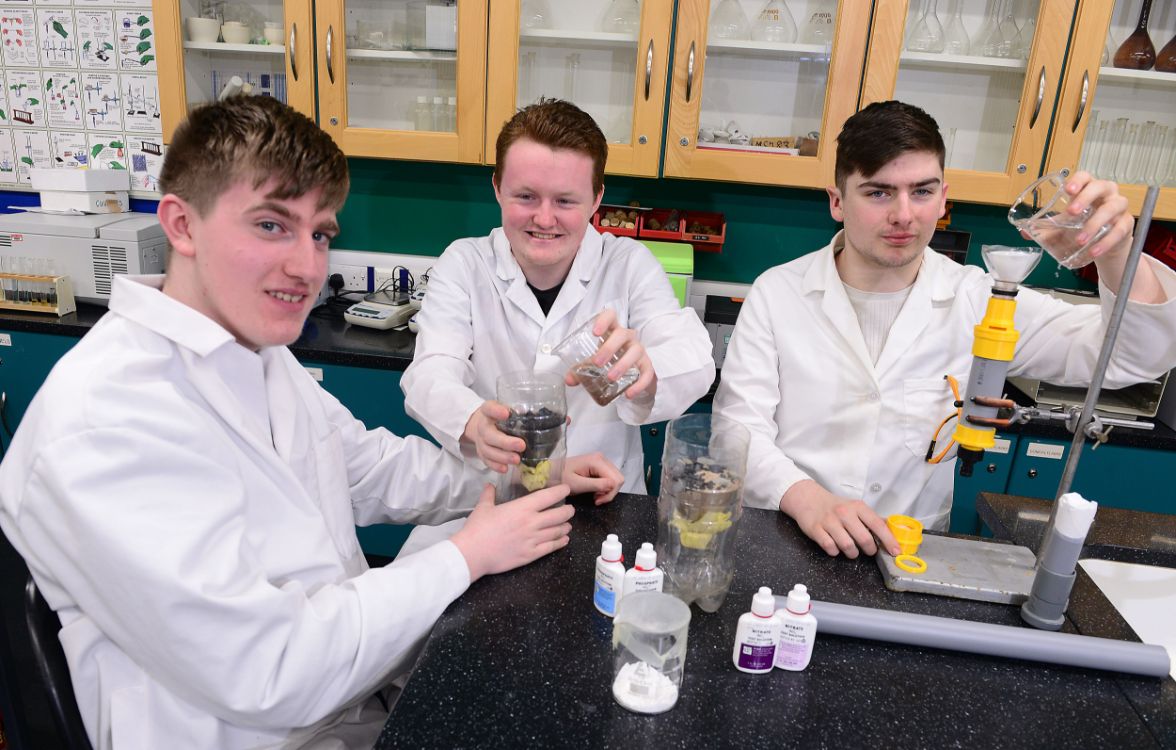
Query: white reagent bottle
x=798, y=631
x=610, y=576
x=757, y=635
x=644, y=575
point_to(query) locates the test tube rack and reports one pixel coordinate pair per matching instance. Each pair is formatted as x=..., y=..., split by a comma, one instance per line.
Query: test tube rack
x=13, y=297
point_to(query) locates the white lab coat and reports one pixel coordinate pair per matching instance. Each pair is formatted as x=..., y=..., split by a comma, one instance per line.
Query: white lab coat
x=188, y=508
x=480, y=320
x=798, y=374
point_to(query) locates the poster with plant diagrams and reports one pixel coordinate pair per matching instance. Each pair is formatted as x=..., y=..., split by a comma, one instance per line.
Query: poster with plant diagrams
x=79, y=89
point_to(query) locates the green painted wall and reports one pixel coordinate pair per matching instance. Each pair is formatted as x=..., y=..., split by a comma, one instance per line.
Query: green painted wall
x=418, y=208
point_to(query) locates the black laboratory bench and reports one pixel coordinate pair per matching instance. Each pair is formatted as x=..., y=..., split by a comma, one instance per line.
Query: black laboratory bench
x=523, y=659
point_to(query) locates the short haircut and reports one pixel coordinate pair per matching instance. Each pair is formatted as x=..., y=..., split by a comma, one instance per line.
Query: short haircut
x=558, y=125
x=257, y=138
x=879, y=134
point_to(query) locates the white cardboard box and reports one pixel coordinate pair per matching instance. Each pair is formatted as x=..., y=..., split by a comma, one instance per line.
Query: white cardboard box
x=91, y=202
x=87, y=180
x=432, y=24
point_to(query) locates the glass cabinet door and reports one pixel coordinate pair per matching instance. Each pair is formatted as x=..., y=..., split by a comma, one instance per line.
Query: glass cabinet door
x=987, y=71
x=1117, y=115
x=760, y=89
x=403, y=78
x=223, y=47
x=608, y=57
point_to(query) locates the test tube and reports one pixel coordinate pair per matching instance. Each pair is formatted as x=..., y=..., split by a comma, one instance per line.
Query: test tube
x=1155, y=159
x=1088, y=158
x=1124, y=158
x=1111, y=148
x=52, y=271
x=1135, y=169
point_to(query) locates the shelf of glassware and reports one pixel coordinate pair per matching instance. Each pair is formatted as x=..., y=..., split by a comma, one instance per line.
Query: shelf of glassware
x=246, y=49
x=764, y=49
x=961, y=62
x=1152, y=77
x=402, y=55
x=579, y=38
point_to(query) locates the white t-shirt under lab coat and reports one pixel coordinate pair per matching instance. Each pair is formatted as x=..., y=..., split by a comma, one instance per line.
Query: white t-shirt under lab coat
x=480, y=320
x=188, y=508
x=798, y=374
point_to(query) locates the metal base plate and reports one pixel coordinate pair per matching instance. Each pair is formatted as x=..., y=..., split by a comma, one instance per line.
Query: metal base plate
x=965, y=569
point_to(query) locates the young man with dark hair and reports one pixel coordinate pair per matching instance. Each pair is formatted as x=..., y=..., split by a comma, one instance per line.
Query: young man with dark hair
x=501, y=303
x=186, y=495
x=838, y=359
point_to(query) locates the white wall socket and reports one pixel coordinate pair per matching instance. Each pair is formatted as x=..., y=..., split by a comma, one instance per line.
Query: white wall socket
x=354, y=277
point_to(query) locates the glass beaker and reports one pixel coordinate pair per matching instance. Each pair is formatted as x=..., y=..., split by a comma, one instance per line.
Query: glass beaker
x=701, y=502
x=1041, y=213
x=728, y=21
x=577, y=351
x=774, y=23
x=622, y=17
x=538, y=415
x=649, y=651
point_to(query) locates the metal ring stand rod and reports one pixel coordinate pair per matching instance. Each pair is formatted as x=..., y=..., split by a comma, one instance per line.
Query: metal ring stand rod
x=1104, y=356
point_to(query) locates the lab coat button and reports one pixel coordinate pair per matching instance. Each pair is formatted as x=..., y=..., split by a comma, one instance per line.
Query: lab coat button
x=546, y=348
x=875, y=487
x=873, y=396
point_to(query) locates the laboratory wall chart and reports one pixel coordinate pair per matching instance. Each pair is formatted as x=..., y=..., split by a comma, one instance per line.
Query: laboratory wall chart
x=79, y=89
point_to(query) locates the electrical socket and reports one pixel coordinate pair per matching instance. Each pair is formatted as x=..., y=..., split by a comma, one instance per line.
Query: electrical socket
x=354, y=277
x=381, y=276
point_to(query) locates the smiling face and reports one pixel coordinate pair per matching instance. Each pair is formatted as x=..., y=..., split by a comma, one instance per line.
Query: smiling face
x=547, y=201
x=253, y=263
x=889, y=218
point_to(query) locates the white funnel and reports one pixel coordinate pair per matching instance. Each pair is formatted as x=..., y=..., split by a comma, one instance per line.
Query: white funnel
x=1010, y=265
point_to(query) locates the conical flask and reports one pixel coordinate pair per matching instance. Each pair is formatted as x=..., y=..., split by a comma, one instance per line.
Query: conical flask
x=818, y=29
x=1166, y=59
x=927, y=36
x=774, y=23
x=534, y=14
x=729, y=21
x=623, y=17
x=1137, y=51
x=955, y=36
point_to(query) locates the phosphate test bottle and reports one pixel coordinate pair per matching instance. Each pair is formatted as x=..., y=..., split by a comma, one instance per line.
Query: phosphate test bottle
x=610, y=576
x=757, y=635
x=644, y=575
x=798, y=631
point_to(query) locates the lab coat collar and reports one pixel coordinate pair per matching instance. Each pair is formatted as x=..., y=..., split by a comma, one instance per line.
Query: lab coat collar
x=584, y=266
x=934, y=274
x=141, y=300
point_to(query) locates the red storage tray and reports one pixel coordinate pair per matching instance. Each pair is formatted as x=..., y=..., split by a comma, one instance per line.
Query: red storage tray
x=603, y=210
x=661, y=215
x=710, y=231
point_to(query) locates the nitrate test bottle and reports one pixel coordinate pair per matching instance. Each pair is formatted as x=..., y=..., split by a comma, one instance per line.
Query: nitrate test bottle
x=798, y=631
x=644, y=575
x=610, y=576
x=757, y=635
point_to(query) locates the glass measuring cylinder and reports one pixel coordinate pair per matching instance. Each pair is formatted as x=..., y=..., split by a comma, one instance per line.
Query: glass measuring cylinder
x=577, y=351
x=700, y=505
x=538, y=415
x=1041, y=213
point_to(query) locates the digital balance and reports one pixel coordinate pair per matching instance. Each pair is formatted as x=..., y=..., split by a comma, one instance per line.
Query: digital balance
x=384, y=309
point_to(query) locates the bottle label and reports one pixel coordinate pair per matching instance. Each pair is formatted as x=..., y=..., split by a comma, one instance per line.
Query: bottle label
x=651, y=583
x=758, y=649
x=793, y=648
x=756, y=657
x=605, y=598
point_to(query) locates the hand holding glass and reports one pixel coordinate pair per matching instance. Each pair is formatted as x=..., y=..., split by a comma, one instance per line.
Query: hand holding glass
x=577, y=352
x=1042, y=213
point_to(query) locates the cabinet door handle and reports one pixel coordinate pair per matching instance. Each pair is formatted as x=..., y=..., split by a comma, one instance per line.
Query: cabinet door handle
x=292, y=50
x=648, y=68
x=1082, y=100
x=1040, y=98
x=331, y=62
x=690, y=73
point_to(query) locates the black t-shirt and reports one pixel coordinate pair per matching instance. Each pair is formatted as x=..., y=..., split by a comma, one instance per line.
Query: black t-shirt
x=545, y=297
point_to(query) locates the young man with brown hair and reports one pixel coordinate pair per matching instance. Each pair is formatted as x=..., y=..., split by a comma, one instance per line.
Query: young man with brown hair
x=838, y=359
x=186, y=495
x=503, y=302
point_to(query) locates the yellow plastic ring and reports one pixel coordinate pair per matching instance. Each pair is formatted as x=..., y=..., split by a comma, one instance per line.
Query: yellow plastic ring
x=911, y=564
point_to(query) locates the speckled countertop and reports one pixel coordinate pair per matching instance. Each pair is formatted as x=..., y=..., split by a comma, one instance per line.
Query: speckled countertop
x=523, y=659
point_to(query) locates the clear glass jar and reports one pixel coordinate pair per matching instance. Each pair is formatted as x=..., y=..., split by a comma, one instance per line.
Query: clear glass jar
x=649, y=651
x=538, y=415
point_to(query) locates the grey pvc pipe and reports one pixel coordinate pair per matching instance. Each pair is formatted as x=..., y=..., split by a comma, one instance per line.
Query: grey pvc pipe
x=993, y=640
